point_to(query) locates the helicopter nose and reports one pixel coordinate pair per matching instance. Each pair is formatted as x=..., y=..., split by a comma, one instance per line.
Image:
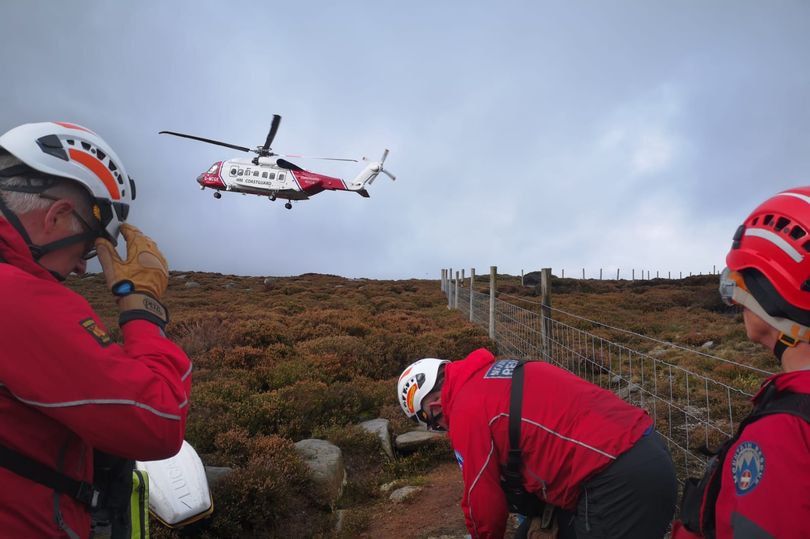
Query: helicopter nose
x=201, y=179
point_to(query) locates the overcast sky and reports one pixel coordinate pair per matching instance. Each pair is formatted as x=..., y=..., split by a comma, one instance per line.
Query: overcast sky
x=523, y=134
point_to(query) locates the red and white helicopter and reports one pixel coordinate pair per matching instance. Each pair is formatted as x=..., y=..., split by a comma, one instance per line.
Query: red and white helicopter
x=269, y=174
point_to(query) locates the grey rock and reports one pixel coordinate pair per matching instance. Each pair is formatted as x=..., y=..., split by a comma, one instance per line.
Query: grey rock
x=414, y=439
x=181, y=276
x=340, y=515
x=325, y=461
x=214, y=474
x=231, y=284
x=379, y=427
x=269, y=280
x=628, y=390
x=192, y=284
x=707, y=345
x=403, y=493
x=387, y=487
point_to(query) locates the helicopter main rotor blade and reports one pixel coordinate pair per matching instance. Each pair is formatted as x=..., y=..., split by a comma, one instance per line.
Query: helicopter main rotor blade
x=313, y=157
x=272, y=133
x=208, y=140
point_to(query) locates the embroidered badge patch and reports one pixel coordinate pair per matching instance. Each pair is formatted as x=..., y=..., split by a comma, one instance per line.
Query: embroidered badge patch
x=98, y=334
x=459, y=459
x=502, y=368
x=747, y=467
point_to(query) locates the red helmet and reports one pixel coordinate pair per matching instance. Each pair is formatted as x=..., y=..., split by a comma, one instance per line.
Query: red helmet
x=775, y=241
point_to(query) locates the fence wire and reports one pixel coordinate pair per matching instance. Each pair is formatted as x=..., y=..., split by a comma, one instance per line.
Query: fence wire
x=691, y=410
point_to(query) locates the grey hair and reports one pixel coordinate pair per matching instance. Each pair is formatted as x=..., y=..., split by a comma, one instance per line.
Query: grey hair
x=23, y=203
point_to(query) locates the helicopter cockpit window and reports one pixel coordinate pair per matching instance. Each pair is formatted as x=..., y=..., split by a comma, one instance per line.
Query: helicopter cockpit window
x=264, y=174
x=212, y=169
x=233, y=171
x=241, y=171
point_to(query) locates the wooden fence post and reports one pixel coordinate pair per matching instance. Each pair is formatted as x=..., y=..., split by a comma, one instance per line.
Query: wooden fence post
x=462, y=277
x=600, y=274
x=545, y=309
x=521, y=278
x=617, y=273
x=493, y=270
x=455, y=294
x=583, y=274
x=472, y=292
x=442, y=280
x=450, y=288
x=563, y=273
x=633, y=275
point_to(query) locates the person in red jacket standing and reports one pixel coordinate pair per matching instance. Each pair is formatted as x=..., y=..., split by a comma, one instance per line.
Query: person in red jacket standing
x=764, y=475
x=584, y=450
x=67, y=391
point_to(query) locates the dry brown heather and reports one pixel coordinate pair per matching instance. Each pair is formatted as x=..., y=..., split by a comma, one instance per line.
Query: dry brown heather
x=313, y=355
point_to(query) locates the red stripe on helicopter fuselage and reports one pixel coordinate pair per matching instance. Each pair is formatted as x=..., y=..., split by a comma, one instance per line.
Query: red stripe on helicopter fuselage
x=312, y=183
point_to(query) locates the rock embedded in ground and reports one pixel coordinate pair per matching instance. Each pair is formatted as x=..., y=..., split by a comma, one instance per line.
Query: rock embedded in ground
x=379, y=427
x=403, y=493
x=192, y=284
x=214, y=474
x=412, y=440
x=325, y=461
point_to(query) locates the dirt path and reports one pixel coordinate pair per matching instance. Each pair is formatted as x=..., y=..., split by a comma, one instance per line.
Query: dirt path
x=434, y=512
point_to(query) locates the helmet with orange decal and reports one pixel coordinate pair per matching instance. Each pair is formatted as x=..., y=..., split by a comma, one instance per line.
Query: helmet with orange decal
x=769, y=266
x=59, y=150
x=415, y=383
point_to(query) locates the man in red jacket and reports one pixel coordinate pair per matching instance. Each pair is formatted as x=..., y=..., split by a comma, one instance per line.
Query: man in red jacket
x=765, y=473
x=584, y=450
x=67, y=390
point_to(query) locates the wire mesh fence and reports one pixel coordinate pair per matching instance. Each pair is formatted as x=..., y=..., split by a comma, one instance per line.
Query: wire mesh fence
x=691, y=410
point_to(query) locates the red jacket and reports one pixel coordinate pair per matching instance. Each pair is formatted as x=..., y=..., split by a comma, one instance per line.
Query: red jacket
x=765, y=479
x=65, y=389
x=571, y=429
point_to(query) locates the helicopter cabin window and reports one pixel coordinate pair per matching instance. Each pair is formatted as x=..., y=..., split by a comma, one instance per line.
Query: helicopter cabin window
x=233, y=171
x=281, y=177
x=256, y=173
x=241, y=171
x=272, y=175
x=264, y=174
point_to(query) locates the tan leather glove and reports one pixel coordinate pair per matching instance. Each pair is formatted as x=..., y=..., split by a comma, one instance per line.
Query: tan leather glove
x=140, y=280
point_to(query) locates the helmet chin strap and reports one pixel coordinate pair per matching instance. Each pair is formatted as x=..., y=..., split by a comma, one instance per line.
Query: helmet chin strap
x=790, y=333
x=38, y=251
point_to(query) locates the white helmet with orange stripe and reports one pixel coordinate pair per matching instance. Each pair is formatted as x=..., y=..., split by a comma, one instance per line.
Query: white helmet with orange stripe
x=74, y=152
x=415, y=383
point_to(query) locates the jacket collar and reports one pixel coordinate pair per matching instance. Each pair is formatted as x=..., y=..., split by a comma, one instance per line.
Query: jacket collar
x=15, y=252
x=457, y=373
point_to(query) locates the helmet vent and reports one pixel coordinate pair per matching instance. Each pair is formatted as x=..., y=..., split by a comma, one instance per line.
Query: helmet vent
x=112, y=166
x=781, y=223
x=768, y=219
x=797, y=232
x=101, y=155
x=806, y=246
x=754, y=221
x=806, y=286
x=71, y=141
x=86, y=146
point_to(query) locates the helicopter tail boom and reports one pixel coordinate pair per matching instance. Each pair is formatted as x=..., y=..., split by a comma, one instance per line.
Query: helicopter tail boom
x=369, y=174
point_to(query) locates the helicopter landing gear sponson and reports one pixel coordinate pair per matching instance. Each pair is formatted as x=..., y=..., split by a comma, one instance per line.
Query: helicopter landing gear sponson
x=217, y=194
x=288, y=205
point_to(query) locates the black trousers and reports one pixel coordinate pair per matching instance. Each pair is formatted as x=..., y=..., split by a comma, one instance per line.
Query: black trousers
x=633, y=498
